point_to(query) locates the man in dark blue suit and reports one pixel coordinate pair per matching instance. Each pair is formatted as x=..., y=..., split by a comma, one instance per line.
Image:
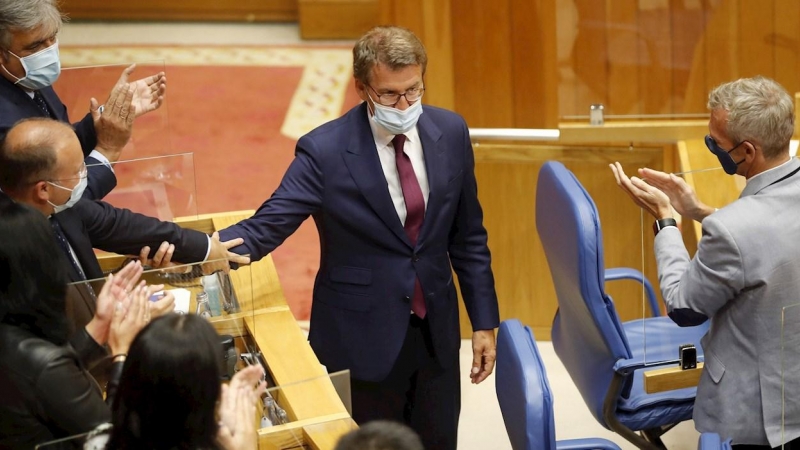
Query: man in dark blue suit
x=391, y=187
x=29, y=65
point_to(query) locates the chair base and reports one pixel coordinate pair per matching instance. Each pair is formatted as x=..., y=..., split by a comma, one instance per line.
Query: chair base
x=646, y=439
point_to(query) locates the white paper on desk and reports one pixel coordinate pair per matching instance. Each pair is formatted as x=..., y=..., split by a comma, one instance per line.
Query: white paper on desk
x=182, y=298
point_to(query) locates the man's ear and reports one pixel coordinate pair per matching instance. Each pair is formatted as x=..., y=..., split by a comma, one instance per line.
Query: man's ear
x=750, y=150
x=361, y=89
x=41, y=192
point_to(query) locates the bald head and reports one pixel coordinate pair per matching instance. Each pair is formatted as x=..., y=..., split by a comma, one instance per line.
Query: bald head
x=32, y=151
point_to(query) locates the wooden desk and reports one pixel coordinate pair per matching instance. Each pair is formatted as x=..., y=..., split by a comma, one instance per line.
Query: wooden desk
x=317, y=415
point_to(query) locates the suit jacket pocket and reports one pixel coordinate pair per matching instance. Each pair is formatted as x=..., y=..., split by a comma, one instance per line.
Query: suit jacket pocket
x=714, y=366
x=343, y=300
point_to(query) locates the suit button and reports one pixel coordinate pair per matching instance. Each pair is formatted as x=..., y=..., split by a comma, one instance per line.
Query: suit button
x=407, y=299
x=415, y=257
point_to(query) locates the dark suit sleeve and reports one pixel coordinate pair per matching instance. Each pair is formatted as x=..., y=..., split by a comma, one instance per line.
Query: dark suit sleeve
x=298, y=196
x=469, y=252
x=69, y=396
x=86, y=134
x=101, y=180
x=125, y=232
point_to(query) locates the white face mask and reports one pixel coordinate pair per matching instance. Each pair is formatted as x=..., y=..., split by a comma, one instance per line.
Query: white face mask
x=394, y=120
x=41, y=68
x=75, y=194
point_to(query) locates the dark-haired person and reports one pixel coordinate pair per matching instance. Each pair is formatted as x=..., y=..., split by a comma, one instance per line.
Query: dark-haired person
x=380, y=435
x=176, y=361
x=47, y=391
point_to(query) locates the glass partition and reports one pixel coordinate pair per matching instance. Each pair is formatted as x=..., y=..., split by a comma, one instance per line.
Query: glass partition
x=790, y=368
x=151, y=131
x=655, y=59
x=714, y=188
x=163, y=186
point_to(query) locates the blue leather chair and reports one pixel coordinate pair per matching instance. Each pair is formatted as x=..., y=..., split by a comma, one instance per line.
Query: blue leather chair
x=605, y=357
x=525, y=397
x=712, y=441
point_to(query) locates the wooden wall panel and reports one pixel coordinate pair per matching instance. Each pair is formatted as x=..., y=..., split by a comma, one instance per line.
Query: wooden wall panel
x=624, y=48
x=482, y=59
x=756, y=24
x=786, y=41
x=591, y=57
x=241, y=10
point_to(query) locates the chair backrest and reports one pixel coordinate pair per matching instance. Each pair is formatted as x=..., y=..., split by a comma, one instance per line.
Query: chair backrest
x=587, y=333
x=523, y=392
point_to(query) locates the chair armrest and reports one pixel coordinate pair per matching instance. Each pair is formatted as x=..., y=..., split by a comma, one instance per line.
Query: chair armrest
x=586, y=444
x=627, y=273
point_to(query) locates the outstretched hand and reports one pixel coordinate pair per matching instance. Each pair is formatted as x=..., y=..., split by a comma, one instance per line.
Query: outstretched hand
x=648, y=197
x=681, y=196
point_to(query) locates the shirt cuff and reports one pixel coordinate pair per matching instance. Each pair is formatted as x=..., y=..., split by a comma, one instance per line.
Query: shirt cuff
x=208, y=251
x=102, y=158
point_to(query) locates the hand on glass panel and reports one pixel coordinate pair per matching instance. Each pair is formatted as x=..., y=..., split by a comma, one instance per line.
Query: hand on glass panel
x=649, y=198
x=681, y=196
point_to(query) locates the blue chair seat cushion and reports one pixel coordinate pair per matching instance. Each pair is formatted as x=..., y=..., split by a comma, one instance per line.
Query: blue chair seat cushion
x=640, y=410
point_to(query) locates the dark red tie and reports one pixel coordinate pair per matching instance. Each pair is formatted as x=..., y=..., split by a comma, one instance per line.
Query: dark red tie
x=415, y=210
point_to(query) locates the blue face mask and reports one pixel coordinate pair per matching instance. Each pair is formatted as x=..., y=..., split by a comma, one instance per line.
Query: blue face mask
x=41, y=68
x=75, y=194
x=394, y=120
x=724, y=156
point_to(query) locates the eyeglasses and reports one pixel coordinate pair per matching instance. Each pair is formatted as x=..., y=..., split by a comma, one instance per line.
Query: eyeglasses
x=716, y=149
x=82, y=173
x=391, y=99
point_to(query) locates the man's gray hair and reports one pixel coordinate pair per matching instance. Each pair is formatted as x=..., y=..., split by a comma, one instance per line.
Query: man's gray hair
x=395, y=47
x=26, y=15
x=759, y=110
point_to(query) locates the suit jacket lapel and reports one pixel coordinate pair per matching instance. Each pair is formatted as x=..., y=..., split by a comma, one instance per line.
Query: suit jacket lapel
x=364, y=165
x=20, y=98
x=435, y=167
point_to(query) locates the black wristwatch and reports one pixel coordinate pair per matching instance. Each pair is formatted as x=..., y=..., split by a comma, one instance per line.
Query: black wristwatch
x=660, y=224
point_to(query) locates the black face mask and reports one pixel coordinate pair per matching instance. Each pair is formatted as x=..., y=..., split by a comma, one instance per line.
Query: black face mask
x=724, y=156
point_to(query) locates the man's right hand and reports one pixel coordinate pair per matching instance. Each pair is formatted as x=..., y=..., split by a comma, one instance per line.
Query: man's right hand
x=219, y=256
x=115, y=124
x=681, y=196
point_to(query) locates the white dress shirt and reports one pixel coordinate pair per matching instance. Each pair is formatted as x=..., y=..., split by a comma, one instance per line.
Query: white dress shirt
x=412, y=148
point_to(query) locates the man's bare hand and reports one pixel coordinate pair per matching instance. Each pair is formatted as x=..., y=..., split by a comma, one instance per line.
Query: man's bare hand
x=484, y=353
x=115, y=124
x=161, y=259
x=649, y=198
x=219, y=257
x=148, y=93
x=681, y=196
